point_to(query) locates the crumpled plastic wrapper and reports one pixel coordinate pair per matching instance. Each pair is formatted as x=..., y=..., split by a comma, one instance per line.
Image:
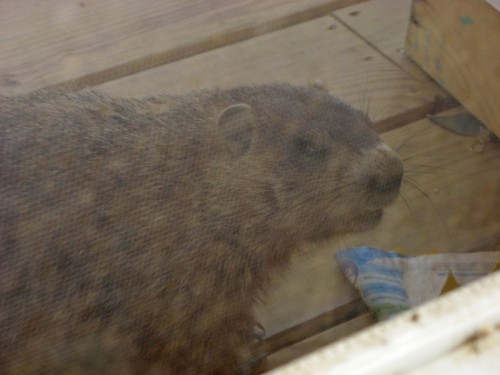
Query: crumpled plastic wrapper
x=390, y=283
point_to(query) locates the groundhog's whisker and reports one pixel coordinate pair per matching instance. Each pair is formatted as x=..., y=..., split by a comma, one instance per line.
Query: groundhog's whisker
x=427, y=168
x=411, y=208
x=412, y=183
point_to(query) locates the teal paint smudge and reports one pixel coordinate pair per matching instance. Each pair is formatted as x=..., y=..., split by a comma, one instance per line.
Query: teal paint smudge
x=466, y=21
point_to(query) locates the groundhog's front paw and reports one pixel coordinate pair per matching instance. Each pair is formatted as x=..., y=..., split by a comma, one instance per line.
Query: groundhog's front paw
x=255, y=361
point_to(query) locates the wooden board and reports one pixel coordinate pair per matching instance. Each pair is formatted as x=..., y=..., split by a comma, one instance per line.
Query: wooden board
x=457, y=44
x=320, y=50
x=86, y=42
x=380, y=23
x=318, y=341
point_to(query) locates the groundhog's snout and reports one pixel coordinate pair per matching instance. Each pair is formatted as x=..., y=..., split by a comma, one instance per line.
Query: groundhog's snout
x=388, y=179
x=385, y=175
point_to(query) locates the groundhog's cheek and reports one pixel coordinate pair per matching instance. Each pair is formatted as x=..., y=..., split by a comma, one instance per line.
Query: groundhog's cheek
x=369, y=220
x=358, y=221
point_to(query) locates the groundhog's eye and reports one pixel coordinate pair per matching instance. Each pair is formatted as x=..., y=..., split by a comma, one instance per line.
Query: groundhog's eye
x=308, y=148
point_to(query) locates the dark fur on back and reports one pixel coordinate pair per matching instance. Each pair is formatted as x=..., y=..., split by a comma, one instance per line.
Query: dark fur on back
x=137, y=234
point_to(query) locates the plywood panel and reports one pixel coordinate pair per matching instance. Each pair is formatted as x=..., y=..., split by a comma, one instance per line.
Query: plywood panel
x=85, y=42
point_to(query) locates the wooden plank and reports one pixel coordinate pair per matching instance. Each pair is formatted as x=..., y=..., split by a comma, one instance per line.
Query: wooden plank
x=457, y=44
x=320, y=50
x=313, y=327
x=318, y=341
x=86, y=42
x=451, y=219
x=383, y=24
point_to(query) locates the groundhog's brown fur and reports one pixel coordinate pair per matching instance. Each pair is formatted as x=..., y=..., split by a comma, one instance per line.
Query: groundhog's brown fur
x=136, y=235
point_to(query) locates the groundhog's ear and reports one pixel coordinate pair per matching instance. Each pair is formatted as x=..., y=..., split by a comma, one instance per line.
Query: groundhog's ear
x=236, y=124
x=320, y=85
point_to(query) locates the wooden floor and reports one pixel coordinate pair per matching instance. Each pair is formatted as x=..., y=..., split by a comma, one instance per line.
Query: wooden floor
x=355, y=47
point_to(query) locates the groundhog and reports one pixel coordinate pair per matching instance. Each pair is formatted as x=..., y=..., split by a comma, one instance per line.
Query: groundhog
x=138, y=234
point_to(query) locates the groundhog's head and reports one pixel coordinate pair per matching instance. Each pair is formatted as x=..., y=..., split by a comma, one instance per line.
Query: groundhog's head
x=315, y=160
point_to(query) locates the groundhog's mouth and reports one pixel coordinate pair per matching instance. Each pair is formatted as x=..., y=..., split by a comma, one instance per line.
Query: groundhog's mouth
x=370, y=219
x=366, y=221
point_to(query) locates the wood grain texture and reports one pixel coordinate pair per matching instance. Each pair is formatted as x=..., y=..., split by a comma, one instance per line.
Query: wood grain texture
x=320, y=50
x=380, y=23
x=457, y=44
x=86, y=42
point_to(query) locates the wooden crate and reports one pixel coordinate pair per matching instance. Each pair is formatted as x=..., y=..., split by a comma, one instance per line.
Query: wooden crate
x=458, y=44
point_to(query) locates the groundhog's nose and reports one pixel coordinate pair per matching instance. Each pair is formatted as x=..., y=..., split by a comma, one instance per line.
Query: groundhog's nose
x=386, y=174
x=386, y=182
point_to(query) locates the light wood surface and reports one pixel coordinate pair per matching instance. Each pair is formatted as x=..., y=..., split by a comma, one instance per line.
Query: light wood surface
x=86, y=42
x=380, y=23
